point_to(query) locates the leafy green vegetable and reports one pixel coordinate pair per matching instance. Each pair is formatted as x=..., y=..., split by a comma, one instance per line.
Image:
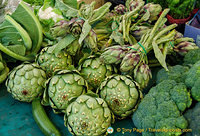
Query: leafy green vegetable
x=35, y=2
x=85, y=31
x=12, y=33
x=63, y=43
x=67, y=10
x=30, y=23
x=71, y=3
x=100, y=12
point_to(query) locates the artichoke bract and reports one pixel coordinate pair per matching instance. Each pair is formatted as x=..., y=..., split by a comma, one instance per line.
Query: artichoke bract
x=94, y=71
x=142, y=75
x=121, y=93
x=26, y=82
x=52, y=62
x=62, y=88
x=88, y=116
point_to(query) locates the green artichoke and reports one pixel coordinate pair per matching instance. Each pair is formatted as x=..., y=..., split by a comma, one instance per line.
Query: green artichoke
x=94, y=71
x=114, y=54
x=62, y=88
x=121, y=93
x=51, y=62
x=142, y=75
x=88, y=116
x=26, y=82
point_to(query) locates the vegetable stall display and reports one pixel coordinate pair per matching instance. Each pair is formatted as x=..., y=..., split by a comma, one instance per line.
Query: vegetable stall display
x=93, y=66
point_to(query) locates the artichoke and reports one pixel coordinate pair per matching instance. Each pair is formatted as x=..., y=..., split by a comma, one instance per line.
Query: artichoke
x=26, y=82
x=121, y=93
x=64, y=27
x=88, y=116
x=114, y=54
x=139, y=31
x=120, y=9
x=142, y=75
x=51, y=62
x=183, y=47
x=62, y=88
x=154, y=10
x=94, y=71
x=131, y=59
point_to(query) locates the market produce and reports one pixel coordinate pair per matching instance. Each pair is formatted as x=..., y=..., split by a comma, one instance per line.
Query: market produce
x=92, y=65
x=192, y=57
x=2, y=10
x=192, y=81
x=142, y=75
x=4, y=70
x=162, y=109
x=88, y=115
x=193, y=117
x=179, y=9
x=121, y=93
x=63, y=87
x=92, y=69
x=52, y=62
x=21, y=38
x=42, y=120
x=177, y=73
x=26, y=82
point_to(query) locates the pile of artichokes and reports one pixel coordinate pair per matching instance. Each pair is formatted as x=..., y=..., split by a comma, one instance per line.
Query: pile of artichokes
x=96, y=64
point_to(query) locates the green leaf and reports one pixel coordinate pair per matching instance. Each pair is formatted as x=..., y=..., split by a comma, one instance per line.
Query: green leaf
x=117, y=36
x=48, y=3
x=63, y=43
x=25, y=16
x=158, y=54
x=66, y=9
x=71, y=3
x=12, y=33
x=85, y=31
x=100, y=12
x=18, y=49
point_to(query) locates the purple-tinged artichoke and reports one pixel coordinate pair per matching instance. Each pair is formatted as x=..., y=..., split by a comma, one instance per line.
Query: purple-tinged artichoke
x=114, y=54
x=140, y=31
x=183, y=47
x=178, y=35
x=120, y=9
x=142, y=75
x=131, y=59
x=64, y=27
x=134, y=4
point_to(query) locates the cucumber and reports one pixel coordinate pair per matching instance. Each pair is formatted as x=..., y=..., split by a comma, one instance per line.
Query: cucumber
x=42, y=120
